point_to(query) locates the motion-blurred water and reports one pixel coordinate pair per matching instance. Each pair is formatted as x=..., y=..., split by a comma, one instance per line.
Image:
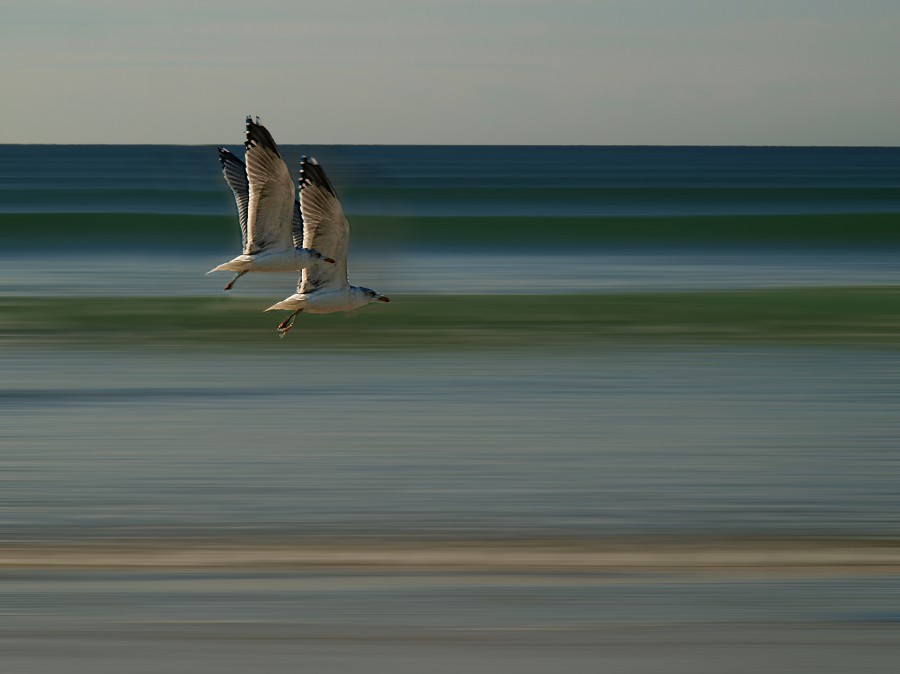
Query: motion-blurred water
x=477, y=180
x=534, y=444
x=138, y=448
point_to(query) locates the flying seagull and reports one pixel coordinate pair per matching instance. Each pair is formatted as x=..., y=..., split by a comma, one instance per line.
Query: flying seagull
x=271, y=227
x=323, y=289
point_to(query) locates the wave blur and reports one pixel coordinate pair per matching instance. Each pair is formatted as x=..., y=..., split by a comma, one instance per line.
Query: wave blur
x=629, y=406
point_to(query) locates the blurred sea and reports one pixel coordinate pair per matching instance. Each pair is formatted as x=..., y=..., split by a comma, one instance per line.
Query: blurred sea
x=134, y=451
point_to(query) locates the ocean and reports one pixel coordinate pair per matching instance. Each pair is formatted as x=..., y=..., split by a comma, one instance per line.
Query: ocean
x=624, y=398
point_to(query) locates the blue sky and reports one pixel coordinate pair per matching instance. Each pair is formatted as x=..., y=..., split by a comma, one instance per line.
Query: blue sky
x=813, y=72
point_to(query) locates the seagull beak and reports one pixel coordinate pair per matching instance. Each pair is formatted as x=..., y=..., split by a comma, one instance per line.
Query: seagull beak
x=330, y=260
x=382, y=298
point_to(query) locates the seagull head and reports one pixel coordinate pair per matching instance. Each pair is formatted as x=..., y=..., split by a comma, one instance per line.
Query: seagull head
x=372, y=296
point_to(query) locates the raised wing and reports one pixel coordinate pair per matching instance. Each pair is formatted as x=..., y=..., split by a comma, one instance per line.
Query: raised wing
x=297, y=225
x=325, y=228
x=236, y=176
x=271, y=194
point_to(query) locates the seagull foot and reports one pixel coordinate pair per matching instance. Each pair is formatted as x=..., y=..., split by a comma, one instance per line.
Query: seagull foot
x=285, y=326
x=231, y=285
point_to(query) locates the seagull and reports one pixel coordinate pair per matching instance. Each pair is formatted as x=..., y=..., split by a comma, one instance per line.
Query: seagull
x=271, y=226
x=323, y=289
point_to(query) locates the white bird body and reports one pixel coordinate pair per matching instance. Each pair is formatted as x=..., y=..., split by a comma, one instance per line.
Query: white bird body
x=323, y=288
x=327, y=301
x=268, y=212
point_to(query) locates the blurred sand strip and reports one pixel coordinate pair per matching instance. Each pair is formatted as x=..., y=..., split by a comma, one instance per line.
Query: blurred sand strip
x=746, y=556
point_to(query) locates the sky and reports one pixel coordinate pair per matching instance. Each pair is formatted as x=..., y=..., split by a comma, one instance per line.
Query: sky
x=595, y=72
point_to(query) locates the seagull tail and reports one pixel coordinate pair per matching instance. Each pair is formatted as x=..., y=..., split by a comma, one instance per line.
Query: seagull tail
x=284, y=304
x=228, y=266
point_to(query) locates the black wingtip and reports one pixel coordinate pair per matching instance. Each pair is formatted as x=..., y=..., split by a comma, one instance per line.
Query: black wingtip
x=257, y=134
x=226, y=157
x=250, y=126
x=312, y=174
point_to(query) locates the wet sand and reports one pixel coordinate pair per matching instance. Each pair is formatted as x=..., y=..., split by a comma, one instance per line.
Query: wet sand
x=334, y=621
x=755, y=556
x=223, y=648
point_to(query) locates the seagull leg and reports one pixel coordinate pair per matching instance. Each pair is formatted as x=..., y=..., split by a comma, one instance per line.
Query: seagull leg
x=287, y=323
x=231, y=285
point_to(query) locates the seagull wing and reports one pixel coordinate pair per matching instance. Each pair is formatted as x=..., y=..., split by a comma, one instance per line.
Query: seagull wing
x=236, y=176
x=325, y=228
x=271, y=194
x=297, y=225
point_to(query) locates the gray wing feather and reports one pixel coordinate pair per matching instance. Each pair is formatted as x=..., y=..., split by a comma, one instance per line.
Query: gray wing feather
x=325, y=229
x=297, y=225
x=271, y=194
x=236, y=176
x=235, y=172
